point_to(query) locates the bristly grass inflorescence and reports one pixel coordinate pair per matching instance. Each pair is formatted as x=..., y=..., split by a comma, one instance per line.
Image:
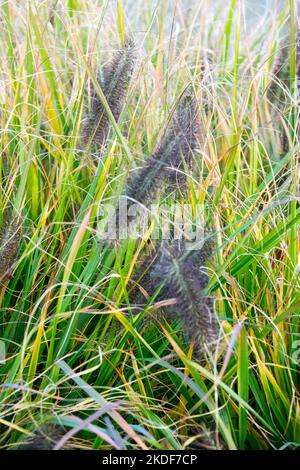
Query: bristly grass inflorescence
x=114, y=82
x=166, y=168
x=279, y=89
x=174, y=153
x=45, y=438
x=281, y=67
x=184, y=277
x=10, y=235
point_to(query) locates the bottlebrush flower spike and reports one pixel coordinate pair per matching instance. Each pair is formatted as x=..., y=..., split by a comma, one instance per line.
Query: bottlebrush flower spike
x=45, y=438
x=185, y=279
x=177, y=146
x=281, y=73
x=10, y=235
x=282, y=64
x=114, y=84
x=278, y=92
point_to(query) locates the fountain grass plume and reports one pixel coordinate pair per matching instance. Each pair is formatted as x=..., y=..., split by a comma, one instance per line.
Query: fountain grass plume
x=45, y=438
x=10, y=236
x=114, y=83
x=281, y=65
x=176, y=150
x=279, y=89
x=184, y=278
x=281, y=73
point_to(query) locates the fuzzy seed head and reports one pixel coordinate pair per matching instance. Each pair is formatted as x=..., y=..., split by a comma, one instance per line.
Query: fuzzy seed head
x=185, y=279
x=45, y=438
x=176, y=147
x=10, y=235
x=114, y=84
x=281, y=71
